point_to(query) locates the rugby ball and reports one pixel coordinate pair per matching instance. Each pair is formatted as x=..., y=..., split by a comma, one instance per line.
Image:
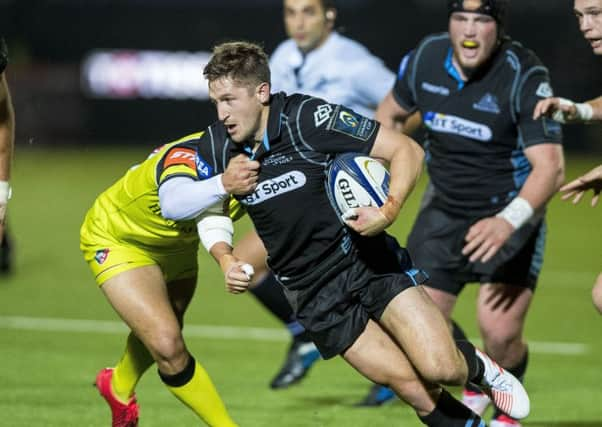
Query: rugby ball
x=356, y=180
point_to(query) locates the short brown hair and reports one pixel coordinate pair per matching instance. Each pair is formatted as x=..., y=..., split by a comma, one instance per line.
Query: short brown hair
x=241, y=61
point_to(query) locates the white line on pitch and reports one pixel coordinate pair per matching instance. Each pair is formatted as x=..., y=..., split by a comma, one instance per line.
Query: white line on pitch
x=221, y=332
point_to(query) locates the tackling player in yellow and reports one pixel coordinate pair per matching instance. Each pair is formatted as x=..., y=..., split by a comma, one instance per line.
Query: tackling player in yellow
x=140, y=239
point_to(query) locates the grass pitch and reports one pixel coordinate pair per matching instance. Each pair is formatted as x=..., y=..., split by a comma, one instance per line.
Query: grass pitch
x=48, y=364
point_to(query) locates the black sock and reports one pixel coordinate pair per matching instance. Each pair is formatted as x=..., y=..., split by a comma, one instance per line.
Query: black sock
x=459, y=335
x=475, y=365
x=458, y=332
x=519, y=372
x=181, y=378
x=450, y=412
x=270, y=294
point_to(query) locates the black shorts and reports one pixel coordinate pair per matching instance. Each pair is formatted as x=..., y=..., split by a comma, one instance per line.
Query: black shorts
x=436, y=243
x=335, y=306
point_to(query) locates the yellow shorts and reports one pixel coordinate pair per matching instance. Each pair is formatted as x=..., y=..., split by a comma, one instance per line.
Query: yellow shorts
x=108, y=256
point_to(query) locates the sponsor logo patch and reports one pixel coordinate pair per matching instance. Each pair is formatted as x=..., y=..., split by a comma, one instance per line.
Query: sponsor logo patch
x=101, y=255
x=544, y=90
x=322, y=114
x=439, y=90
x=203, y=168
x=457, y=125
x=181, y=156
x=350, y=123
x=488, y=103
x=275, y=187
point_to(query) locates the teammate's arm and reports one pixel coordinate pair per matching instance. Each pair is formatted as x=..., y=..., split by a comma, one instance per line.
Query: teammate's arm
x=391, y=115
x=405, y=158
x=566, y=111
x=488, y=235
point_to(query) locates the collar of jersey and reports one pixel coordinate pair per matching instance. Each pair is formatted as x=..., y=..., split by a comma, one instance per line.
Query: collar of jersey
x=451, y=69
x=272, y=130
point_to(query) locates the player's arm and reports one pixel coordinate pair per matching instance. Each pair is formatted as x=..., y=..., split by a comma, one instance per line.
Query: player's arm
x=215, y=231
x=590, y=181
x=183, y=197
x=488, y=235
x=543, y=149
x=404, y=157
x=393, y=116
x=396, y=108
x=566, y=111
x=7, y=129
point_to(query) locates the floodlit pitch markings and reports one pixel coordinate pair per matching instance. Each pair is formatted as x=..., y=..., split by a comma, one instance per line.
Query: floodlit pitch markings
x=224, y=332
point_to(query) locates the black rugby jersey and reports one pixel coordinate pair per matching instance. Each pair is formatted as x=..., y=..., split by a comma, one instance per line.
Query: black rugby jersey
x=290, y=207
x=476, y=130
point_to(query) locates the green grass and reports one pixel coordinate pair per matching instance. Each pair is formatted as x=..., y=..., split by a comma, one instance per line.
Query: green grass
x=46, y=376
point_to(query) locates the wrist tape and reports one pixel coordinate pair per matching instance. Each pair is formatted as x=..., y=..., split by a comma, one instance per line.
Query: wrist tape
x=517, y=212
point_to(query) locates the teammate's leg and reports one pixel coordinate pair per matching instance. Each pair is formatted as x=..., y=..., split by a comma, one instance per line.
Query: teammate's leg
x=501, y=311
x=302, y=352
x=142, y=299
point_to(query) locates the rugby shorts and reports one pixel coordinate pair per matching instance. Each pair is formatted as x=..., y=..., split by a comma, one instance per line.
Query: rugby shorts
x=334, y=306
x=436, y=241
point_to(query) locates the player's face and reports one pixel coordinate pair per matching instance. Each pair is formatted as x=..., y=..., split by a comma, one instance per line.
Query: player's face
x=306, y=23
x=473, y=37
x=589, y=14
x=239, y=107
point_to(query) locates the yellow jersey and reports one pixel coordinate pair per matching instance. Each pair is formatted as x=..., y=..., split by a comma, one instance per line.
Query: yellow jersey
x=129, y=210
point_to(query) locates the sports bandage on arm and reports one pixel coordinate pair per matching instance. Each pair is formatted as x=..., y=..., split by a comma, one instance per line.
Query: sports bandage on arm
x=213, y=229
x=584, y=113
x=518, y=212
x=183, y=198
x=5, y=193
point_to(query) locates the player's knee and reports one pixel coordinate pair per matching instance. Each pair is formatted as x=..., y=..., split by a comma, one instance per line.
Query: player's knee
x=168, y=350
x=597, y=293
x=445, y=370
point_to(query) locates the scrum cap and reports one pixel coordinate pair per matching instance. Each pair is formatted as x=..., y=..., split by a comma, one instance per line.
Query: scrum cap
x=495, y=8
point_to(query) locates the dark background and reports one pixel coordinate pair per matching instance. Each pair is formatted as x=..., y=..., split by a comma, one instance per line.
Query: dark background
x=49, y=39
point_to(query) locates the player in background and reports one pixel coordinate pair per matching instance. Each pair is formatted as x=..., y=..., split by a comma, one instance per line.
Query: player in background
x=493, y=168
x=7, y=141
x=319, y=61
x=589, y=15
x=142, y=249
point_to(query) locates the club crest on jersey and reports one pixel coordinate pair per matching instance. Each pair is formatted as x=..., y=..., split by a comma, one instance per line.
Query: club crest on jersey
x=101, y=255
x=350, y=123
x=544, y=90
x=488, y=103
x=322, y=114
x=275, y=187
x=438, y=122
x=203, y=168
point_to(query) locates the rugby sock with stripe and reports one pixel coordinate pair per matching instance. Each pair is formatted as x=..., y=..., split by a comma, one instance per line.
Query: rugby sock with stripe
x=195, y=389
x=450, y=412
x=134, y=362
